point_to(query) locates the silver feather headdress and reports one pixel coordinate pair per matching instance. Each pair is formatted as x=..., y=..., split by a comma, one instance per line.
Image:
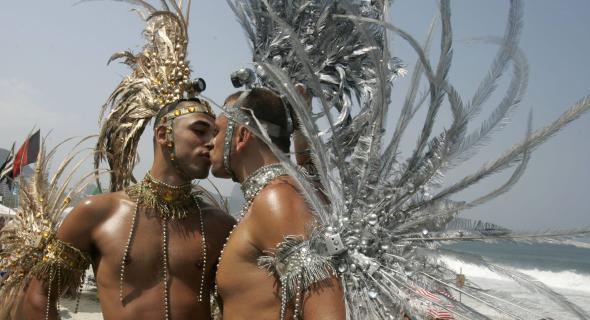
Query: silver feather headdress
x=334, y=57
x=387, y=216
x=160, y=76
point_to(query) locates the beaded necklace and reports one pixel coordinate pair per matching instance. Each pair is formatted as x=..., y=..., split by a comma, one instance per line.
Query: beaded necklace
x=169, y=201
x=172, y=202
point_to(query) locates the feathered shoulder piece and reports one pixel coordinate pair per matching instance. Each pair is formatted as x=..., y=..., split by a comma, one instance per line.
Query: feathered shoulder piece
x=296, y=264
x=29, y=247
x=160, y=75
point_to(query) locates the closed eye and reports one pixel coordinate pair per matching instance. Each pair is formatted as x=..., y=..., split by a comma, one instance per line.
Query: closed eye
x=200, y=127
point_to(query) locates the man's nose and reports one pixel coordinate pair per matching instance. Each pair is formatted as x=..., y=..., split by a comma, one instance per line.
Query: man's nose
x=209, y=145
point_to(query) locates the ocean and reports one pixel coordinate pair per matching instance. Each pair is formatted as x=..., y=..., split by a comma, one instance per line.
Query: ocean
x=565, y=269
x=554, y=265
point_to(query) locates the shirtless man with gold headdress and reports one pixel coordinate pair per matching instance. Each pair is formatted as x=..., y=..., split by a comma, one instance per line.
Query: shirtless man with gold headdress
x=153, y=245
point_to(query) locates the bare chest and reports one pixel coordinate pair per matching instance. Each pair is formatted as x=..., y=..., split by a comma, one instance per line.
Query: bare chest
x=147, y=242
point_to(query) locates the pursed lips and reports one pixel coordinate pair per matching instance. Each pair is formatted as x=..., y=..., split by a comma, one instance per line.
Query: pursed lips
x=205, y=156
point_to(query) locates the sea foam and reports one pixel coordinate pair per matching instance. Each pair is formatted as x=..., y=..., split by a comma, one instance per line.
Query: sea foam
x=566, y=279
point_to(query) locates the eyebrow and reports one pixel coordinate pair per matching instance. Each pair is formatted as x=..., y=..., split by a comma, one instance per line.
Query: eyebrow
x=203, y=123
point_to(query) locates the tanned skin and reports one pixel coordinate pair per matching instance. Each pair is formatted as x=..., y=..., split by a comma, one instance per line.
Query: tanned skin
x=100, y=225
x=246, y=290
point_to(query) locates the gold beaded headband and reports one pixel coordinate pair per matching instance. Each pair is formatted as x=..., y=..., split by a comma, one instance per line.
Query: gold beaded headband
x=200, y=105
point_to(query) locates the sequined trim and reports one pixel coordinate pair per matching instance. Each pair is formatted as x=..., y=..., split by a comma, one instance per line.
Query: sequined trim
x=297, y=266
x=261, y=177
x=172, y=202
x=229, y=132
x=62, y=267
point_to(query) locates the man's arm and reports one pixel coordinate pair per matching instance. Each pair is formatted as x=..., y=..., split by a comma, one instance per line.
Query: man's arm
x=279, y=211
x=35, y=302
x=325, y=300
x=76, y=230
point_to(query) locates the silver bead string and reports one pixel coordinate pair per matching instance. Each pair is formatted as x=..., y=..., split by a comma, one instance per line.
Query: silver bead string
x=165, y=270
x=48, y=305
x=170, y=186
x=242, y=213
x=251, y=187
x=80, y=292
x=283, y=300
x=298, y=303
x=203, y=250
x=58, y=289
x=127, y=246
x=58, y=285
x=165, y=267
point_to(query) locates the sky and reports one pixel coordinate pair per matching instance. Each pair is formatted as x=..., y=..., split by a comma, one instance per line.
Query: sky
x=53, y=76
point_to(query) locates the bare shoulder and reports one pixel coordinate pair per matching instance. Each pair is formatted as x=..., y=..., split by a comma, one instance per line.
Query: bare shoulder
x=96, y=208
x=281, y=202
x=279, y=210
x=79, y=224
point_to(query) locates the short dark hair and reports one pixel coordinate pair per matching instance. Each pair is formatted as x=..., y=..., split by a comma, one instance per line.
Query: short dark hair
x=270, y=107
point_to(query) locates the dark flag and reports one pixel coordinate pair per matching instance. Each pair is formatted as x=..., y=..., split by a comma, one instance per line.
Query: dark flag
x=7, y=163
x=25, y=155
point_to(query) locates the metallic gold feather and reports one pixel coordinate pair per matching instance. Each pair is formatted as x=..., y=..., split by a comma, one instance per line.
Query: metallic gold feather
x=42, y=200
x=160, y=75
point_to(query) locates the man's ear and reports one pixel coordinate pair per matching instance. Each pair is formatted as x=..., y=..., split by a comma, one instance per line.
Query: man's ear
x=160, y=134
x=243, y=137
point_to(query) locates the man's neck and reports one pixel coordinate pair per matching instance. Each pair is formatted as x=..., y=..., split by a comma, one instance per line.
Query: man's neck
x=254, y=163
x=168, y=175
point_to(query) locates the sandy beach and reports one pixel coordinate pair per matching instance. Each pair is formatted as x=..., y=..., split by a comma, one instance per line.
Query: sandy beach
x=541, y=307
x=88, y=307
x=569, y=284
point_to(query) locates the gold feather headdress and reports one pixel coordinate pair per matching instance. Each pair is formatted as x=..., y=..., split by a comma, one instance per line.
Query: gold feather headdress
x=160, y=76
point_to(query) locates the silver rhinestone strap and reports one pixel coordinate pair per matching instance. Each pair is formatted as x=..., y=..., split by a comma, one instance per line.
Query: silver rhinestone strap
x=261, y=177
x=229, y=133
x=227, y=143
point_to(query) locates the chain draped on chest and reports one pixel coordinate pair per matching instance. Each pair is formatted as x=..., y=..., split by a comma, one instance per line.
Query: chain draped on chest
x=170, y=202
